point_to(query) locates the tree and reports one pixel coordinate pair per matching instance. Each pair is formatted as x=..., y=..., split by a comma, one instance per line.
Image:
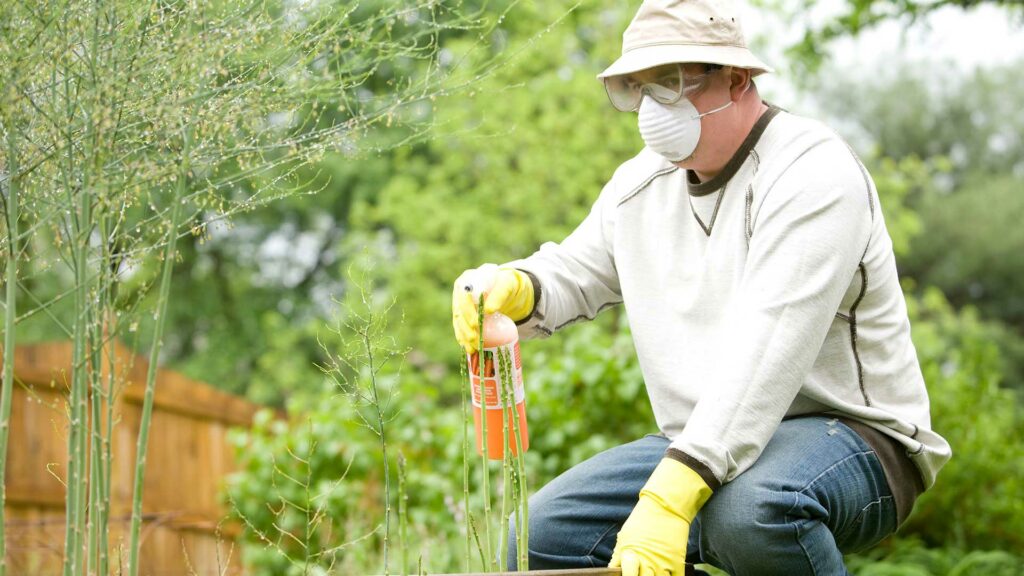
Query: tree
x=128, y=125
x=857, y=15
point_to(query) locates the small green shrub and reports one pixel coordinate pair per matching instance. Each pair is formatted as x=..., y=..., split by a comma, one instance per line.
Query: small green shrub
x=910, y=557
x=976, y=502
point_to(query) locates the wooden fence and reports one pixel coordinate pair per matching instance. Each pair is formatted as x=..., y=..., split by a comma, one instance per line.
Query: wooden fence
x=184, y=529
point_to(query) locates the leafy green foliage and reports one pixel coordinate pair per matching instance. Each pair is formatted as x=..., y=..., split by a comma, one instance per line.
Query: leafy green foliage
x=971, y=251
x=909, y=557
x=344, y=470
x=973, y=245
x=595, y=361
x=521, y=160
x=897, y=181
x=976, y=502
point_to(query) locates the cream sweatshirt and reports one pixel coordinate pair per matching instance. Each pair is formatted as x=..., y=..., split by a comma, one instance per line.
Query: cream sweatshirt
x=767, y=292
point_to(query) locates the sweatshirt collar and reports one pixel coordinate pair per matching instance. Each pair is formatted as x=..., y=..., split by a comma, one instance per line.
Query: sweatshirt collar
x=698, y=188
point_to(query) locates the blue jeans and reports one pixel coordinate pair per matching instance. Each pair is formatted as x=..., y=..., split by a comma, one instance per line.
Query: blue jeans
x=817, y=492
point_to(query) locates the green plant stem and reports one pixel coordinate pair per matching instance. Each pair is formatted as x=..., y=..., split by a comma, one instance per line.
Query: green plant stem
x=95, y=451
x=383, y=443
x=106, y=449
x=465, y=455
x=94, y=342
x=476, y=537
x=154, y=351
x=80, y=381
x=81, y=225
x=518, y=516
x=506, y=494
x=483, y=433
x=307, y=505
x=523, y=507
x=403, y=544
x=506, y=502
x=10, y=313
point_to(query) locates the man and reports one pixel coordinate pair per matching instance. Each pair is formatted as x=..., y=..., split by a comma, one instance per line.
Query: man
x=748, y=247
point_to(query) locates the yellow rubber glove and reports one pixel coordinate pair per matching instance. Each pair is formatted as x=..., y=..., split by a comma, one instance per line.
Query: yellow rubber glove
x=506, y=290
x=652, y=542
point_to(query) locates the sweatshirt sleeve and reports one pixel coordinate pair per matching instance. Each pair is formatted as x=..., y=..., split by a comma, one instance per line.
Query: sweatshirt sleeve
x=576, y=278
x=809, y=237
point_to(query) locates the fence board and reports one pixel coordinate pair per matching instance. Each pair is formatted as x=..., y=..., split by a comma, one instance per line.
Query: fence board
x=188, y=459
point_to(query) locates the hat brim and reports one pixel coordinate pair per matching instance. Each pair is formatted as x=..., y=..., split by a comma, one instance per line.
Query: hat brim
x=650, y=56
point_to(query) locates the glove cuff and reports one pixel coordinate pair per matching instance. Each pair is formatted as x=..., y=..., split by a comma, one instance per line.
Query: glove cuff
x=677, y=488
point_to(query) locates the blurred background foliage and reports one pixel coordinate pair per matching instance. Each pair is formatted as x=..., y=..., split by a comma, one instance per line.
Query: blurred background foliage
x=516, y=161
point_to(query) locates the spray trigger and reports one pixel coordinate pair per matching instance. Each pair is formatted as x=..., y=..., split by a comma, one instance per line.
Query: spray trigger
x=481, y=280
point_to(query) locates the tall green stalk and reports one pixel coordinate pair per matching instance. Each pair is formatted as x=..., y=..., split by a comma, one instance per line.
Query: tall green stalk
x=99, y=506
x=383, y=443
x=89, y=88
x=10, y=312
x=465, y=456
x=78, y=437
x=506, y=494
x=94, y=342
x=515, y=487
x=95, y=450
x=403, y=497
x=154, y=351
x=480, y=364
x=81, y=225
x=522, y=507
x=107, y=456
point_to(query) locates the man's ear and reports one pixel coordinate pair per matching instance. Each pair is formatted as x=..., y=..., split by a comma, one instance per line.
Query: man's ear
x=740, y=81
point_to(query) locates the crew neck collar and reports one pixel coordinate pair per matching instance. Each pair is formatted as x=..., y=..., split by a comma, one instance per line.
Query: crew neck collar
x=698, y=188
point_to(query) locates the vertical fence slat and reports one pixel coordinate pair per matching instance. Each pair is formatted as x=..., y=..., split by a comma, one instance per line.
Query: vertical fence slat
x=189, y=457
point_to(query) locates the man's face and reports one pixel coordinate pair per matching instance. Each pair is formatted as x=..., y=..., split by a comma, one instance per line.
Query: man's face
x=711, y=90
x=714, y=92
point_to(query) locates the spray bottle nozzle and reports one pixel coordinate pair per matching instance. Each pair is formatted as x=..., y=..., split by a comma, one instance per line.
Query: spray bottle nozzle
x=481, y=280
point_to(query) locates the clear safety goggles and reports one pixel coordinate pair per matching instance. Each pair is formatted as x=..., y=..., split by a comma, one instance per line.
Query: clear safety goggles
x=666, y=84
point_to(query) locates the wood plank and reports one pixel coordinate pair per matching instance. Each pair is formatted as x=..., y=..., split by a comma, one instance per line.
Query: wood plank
x=177, y=393
x=37, y=450
x=47, y=367
x=40, y=365
x=189, y=457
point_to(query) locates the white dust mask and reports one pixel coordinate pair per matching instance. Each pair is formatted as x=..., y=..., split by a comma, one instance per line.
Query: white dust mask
x=672, y=130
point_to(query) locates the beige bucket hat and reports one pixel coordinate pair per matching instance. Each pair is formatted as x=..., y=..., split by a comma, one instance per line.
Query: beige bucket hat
x=667, y=31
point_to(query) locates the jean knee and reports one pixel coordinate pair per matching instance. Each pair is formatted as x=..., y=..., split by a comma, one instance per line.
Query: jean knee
x=724, y=516
x=560, y=537
x=547, y=527
x=735, y=522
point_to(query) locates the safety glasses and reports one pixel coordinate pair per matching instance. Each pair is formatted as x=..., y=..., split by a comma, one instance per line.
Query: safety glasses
x=666, y=84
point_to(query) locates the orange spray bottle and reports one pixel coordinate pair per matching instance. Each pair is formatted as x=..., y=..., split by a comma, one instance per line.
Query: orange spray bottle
x=500, y=339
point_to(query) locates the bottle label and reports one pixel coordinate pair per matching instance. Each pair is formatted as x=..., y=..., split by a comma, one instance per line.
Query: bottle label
x=495, y=386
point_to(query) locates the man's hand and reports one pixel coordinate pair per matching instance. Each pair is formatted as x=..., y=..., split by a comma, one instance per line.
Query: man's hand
x=507, y=290
x=652, y=542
